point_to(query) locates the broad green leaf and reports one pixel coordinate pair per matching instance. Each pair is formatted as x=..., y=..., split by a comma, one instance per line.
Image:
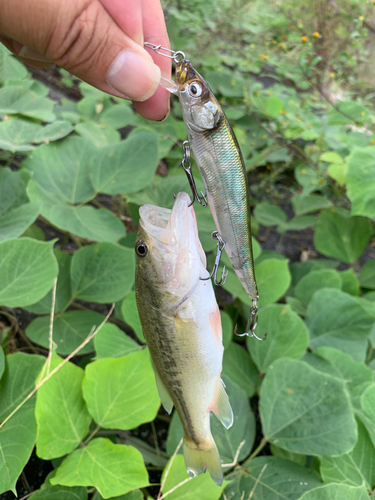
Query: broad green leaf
x=18, y=435
x=308, y=178
x=227, y=440
x=227, y=327
x=63, y=287
x=49, y=492
x=20, y=100
x=17, y=134
x=130, y=313
x=340, y=236
x=11, y=68
x=338, y=172
x=27, y=271
x=273, y=106
x=367, y=275
x=132, y=495
x=53, y=131
x=34, y=232
x=238, y=366
x=201, y=486
x=336, y=492
x=337, y=319
x=272, y=478
x=360, y=181
x=113, y=469
x=355, y=467
x=349, y=282
x=296, y=305
x=306, y=411
x=117, y=116
x=287, y=336
x=367, y=402
x=300, y=269
x=121, y=393
x=315, y=280
x=273, y=279
x=269, y=215
x=287, y=455
x=111, y=342
x=330, y=157
x=2, y=362
x=311, y=203
x=14, y=222
x=84, y=221
x=298, y=223
x=99, y=136
x=61, y=169
x=125, y=167
x=343, y=366
x=103, y=272
x=61, y=414
x=69, y=330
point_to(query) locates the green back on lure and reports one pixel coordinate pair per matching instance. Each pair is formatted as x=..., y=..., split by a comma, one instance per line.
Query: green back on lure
x=220, y=163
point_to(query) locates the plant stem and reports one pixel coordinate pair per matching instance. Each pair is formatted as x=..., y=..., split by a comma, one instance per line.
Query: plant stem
x=97, y=428
x=256, y=452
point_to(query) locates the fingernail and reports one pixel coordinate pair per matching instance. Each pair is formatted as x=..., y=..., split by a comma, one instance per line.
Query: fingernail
x=134, y=75
x=26, y=53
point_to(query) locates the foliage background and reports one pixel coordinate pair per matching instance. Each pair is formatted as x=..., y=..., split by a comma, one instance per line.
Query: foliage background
x=296, y=82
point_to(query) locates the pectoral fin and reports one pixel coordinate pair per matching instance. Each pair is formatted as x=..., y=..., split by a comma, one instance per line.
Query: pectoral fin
x=221, y=406
x=164, y=396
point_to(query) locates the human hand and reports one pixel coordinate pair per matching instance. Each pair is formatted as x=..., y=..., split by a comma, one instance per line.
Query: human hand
x=99, y=41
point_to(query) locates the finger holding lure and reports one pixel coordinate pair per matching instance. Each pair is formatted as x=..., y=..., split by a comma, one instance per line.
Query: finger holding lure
x=220, y=163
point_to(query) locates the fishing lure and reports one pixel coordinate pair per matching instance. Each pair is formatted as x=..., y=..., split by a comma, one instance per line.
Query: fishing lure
x=220, y=163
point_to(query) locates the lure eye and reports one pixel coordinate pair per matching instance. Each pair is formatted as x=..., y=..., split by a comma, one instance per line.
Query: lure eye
x=195, y=89
x=141, y=249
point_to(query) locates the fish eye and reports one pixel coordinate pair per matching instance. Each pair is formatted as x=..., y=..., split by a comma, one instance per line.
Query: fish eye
x=195, y=89
x=141, y=249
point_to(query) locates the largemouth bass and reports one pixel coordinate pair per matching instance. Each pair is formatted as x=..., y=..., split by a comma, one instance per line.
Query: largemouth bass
x=181, y=323
x=220, y=163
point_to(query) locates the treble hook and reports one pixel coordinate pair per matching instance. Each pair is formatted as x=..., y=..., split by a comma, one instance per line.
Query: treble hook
x=219, y=250
x=186, y=165
x=252, y=324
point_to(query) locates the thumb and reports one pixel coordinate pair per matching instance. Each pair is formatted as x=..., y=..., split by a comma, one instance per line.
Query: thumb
x=81, y=37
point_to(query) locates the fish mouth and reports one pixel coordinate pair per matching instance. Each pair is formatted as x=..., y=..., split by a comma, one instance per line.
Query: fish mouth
x=173, y=230
x=185, y=73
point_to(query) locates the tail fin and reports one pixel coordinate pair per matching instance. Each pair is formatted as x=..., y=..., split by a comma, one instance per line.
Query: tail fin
x=199, y=458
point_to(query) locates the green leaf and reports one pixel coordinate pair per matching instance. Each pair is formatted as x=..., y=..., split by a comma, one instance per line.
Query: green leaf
x=69, y=330
x=53, y=131
x=103, y=272
x=18, y=435
x=272, y=478
x=273, y=106
x=201, y=486
x=27, y=271
x=287, y=336
x=238, y=366
x=130, y=313
x=18, y=134
x=308, y=178
x=2, y=362
x=34, y=232
x=49, y=492
x=287, y=455
x=11, y=68
x=340, y=236
x=117, y=116
x=298, y=223
x=14, y=222
x=61, y=414
x=315, y=280
x=125, y=167
x=367, y=275
x=111, y=342
x=349, y=282
x=227, y=440
x=84, y=221
x=300, y=269
x=296, y=305
x=311, y=203
x=227, y=327
x=121, y=393
x=269, y=215
x=63, y=287
x=60, y=169
x=113, y=469
x=305, y=411
x=360, y=181
x=330, y=157
x=20, y=100
x=367, y=403
x=337, y=319
x=132, y=495
x=273, y=279
x=336, y=492
x=355, y=467
x=338, y=172
x=99, y=136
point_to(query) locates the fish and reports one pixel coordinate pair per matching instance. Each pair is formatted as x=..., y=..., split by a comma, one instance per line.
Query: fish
x=221, y=166
x=181, y=323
